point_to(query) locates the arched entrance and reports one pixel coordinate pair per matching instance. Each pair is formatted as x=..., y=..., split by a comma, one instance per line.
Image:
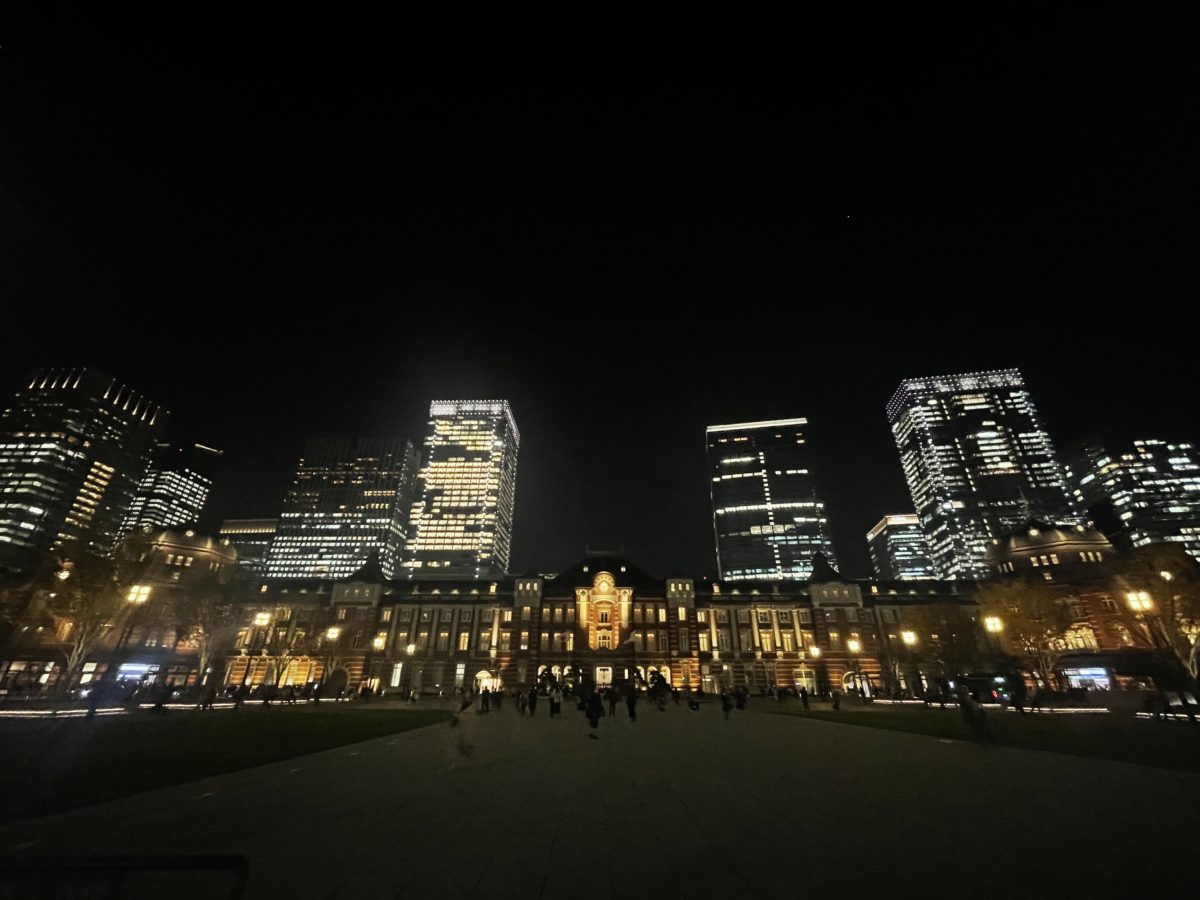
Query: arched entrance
x=485, y=679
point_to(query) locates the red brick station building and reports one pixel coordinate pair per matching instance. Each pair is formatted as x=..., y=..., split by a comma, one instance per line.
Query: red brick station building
x=604, y=619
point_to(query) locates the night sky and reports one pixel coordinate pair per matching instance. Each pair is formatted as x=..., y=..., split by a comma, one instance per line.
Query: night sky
x=282, y=229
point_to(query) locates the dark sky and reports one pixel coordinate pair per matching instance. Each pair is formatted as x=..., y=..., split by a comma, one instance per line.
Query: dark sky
x=284, y=228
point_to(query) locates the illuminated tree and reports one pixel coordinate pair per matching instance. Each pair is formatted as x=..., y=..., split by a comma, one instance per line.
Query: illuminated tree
x=1031, y=620
x=211, y=616
x=1163, y=583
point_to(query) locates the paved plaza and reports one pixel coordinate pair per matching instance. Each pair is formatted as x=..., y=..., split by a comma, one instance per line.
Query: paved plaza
x=680, y=804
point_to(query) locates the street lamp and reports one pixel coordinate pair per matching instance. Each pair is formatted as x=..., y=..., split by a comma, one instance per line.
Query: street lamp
x=993, y=624
x=909, y=638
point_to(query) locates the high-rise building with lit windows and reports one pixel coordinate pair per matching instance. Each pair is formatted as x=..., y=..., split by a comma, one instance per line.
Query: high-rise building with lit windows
x=978, y=462
x=175, y=487
x=899, y=550
x=462, y=519
x=74, y=445
x=350, y=499
x=768, y=519
x=251, y=538
x=1147, y=494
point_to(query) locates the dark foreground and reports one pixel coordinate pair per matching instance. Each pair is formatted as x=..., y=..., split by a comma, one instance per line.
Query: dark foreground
x=680, y=804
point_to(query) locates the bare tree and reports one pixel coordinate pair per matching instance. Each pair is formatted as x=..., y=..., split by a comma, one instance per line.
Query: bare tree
x=1032, y=620
x=947, y=637
x=1167, y=581
x=212, y=616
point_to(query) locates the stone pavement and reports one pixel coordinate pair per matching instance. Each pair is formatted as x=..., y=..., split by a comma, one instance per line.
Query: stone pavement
x=680, y=804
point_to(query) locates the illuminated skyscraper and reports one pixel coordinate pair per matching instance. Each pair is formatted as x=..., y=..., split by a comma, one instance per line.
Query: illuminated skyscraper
x=767, y=517
x=350, y=498
x=1147, y=495
x=74, y=445
x=899, y=550
x=978, y=462
x=251, y=538
x=175, y=487
x=462, y=519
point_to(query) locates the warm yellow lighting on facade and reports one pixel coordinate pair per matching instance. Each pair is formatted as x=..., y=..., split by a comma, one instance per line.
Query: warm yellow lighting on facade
x=814, y=651
x=853, y=645
x=262, y=619
x=909, y=637
x=333, y=633
x=138, y=594
x=379, y=643
x=410, y=649
x=1139, y=601
x=993, y=624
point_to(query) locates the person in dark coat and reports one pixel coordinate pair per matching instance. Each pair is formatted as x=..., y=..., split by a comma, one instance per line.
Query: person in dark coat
x=804, y=697
x=726, y=704
x=631, y=701
x=613, y=700
x=532, y=701
x=595, y=712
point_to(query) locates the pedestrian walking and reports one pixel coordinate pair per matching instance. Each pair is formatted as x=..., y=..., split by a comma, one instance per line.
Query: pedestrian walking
x=595, y=712
x=497, y=699
x=532, y=702
x=726, y=704
x=631, y=701
x=522, y=702
x=556, y=699
x=741, y=699
x=613, y=699
x=485, y=700
x=804, y=697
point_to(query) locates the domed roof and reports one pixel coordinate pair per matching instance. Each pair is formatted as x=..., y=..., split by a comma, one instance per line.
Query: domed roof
x=1037, y=538
x=190, y=540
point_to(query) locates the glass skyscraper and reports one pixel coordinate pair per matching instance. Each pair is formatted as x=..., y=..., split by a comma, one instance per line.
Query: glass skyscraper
x=899, y=550
x=978, y=462
x=1149, y=494
x=350, y=498
x=462, y=519
x=74, y=445
x=175, y=487
x=767, y=517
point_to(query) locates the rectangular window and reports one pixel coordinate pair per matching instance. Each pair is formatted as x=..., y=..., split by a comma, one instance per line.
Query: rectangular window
x=785, y=617
x=723, y=640
x=637, y=615
x=833, y=640
x=789, y=641
x=768, y=641
x=464, y=640
x=406, y=615
x=544, y=643
x=397, y=668
x=525, y=640
x=465, y=615
x=506, y=616
x=485, y=640
x=460, y=674
x=703, y=641
x=341, y=614
x=443, y=640
x=662, y=614
x=505, y=640
x=662, y=640
x=385, y=615
x=603, y=616
x=806, y=617
x=422, y=640
x=743, y=616
x=682, y=613
x=702, y=616
x=764, y=617
x=684, y=646
x=722, y=617
x=447, y=615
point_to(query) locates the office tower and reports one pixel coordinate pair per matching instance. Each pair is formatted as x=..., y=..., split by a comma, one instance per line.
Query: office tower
x=175, y=487
x=74, y=445
x=1148, y=494
x=767, y=517
x=899, y=550
x=463, y=515
x=349, y=499
x=978, y=463
x=252, y=540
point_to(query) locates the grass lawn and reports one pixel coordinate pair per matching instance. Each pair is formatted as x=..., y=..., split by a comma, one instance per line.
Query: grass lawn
x=1167, y=745
x=50, y=766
